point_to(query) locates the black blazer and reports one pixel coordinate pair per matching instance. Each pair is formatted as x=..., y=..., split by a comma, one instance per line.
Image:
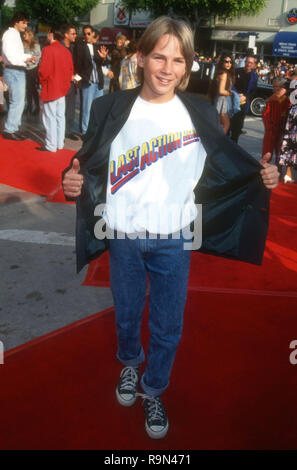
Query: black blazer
x=235, y=201
x=83, y=63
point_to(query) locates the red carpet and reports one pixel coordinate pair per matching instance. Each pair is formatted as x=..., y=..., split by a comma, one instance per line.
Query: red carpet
x=232, y=387
x=278, y=272
x=24, y=167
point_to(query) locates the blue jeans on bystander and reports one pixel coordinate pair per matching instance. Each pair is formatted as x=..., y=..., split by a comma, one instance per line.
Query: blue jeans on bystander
x=89, y=94
x=16, y=82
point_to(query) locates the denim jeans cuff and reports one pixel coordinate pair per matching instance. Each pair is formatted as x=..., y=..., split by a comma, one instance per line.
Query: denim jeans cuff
x=133, y=362
x=152, y=392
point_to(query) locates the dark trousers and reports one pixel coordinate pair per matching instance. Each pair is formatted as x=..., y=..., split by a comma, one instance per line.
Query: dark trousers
x=236, y=124
x=32, y=90
x=70, y=109
x=114, y=85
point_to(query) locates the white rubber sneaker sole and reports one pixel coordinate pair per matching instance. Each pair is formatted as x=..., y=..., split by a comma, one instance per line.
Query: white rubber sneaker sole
x=156, y=434
x=124, y=402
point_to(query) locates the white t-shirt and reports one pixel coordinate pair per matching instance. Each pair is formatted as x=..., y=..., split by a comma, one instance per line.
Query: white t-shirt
x=13, y=49
x=155, y=163
x=91, y=49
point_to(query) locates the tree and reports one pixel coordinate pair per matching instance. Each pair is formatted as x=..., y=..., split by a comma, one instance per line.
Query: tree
x=6, y=16
x=55, y=11
x=196, y=10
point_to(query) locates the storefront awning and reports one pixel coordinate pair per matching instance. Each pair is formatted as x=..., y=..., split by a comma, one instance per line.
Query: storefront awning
x=285, y=44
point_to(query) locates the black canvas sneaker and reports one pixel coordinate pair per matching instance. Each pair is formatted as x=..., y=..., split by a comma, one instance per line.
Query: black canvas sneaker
x=127, y=386
x=156, y=423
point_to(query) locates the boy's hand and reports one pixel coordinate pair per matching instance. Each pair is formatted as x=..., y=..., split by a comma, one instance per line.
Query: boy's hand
x=73, y=181
x=270, y=174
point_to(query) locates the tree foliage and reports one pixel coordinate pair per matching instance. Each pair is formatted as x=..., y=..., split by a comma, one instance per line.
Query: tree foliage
x=197, y=9
x=55, y=11
x=6, y=16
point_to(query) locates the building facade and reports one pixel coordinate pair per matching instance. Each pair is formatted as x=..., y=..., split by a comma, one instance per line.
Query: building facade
x=111, y=13
x=237, y=34
x=276, y=23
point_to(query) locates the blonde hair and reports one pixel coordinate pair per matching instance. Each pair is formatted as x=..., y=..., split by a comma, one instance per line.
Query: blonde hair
x=31, y=38
x=178, y=28
x=121, y=36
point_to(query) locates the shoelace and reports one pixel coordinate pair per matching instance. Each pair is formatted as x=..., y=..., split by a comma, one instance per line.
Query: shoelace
x=155, y=408
x=129, y=378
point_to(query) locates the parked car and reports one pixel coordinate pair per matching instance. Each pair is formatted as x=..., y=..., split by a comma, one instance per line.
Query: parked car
x=199, y=83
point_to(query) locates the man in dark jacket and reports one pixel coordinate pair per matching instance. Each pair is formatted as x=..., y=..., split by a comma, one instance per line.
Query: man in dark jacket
x=150, y=157
x=245, y=83
x=69, y=37
x=88, y=61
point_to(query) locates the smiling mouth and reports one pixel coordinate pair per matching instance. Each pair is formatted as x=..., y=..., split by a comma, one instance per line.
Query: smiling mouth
x=164, y=81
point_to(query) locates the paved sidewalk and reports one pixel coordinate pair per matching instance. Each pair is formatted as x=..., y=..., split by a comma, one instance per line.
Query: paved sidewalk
x=9, y=195
x=40, y=290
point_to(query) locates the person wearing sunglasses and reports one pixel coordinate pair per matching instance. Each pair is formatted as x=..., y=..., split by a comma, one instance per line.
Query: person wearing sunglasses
x=88, y=60
x=220, y=88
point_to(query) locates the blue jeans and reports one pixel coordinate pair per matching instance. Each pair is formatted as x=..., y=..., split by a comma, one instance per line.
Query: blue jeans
x=89, y=93
x=166, y=264
x=16, y=82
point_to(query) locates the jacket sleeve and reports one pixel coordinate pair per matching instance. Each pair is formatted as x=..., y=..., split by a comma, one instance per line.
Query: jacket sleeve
x=78, y=56
x=71, y=69
x=266, y=114
x=45, y=65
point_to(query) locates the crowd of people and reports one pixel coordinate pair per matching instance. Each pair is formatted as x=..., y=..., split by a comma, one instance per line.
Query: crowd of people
x=267, y=70
x=70, y=65
x=66, y=66
x=231, y=90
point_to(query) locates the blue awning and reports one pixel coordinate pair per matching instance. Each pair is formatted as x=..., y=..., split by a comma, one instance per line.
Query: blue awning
x=285, y=44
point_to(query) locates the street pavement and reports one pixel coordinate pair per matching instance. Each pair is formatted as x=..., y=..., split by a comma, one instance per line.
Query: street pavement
x=39, y=289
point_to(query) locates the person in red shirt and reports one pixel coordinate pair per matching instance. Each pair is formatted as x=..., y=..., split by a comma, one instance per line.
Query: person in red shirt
x=274, y=117
x=55, y=74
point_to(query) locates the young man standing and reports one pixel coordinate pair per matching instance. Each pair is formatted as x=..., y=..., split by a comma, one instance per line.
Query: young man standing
x=152, y=154
x=55, y=75
x=15, y=61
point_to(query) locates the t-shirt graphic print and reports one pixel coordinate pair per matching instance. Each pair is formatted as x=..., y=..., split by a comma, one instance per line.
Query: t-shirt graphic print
x=155, y=163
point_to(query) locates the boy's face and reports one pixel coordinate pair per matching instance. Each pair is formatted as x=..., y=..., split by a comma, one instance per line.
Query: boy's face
x=164, y=67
